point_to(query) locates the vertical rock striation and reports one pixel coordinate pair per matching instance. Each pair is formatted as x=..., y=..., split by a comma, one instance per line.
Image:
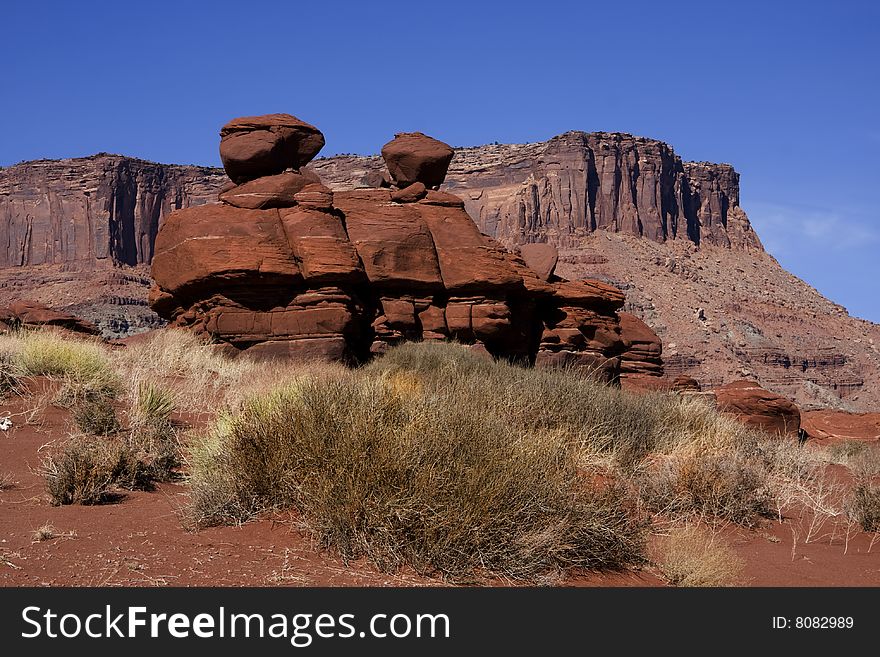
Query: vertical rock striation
x=93, y=212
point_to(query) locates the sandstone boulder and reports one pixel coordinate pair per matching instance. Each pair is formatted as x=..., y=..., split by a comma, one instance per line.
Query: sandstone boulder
x=221, y=248
x=277, y=191
x=409, y=194
x=256, y=146
x=837, y=426
x=685, y=383
x=30, y=314
x=759, y=408
x=414, y=157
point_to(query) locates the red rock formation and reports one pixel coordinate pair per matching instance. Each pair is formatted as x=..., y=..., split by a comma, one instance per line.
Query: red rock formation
x=30, y=314
x=685, y=384
x=287, y=269
x=541, y=258
x=255, y=146
x=642, y=348
x=564, y=189
x=759, y=321
x=759, y=408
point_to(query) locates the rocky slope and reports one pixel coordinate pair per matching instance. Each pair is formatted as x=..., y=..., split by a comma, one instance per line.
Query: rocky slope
x=622, y=209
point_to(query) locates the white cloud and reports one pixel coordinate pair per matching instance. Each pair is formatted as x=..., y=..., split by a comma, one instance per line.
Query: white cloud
x=784, y=228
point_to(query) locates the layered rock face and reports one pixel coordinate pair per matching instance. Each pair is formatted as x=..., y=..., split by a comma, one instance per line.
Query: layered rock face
x=643, y=349
x=840, y=426
x=93, y=212
x=284, y=267
x=564, y=189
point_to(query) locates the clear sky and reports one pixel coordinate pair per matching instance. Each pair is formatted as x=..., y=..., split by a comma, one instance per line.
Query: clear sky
x=788, y=92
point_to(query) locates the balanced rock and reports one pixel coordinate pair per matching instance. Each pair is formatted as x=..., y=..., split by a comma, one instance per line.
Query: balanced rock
x=285, y=268
x=759, y=408
x=413, y=157
x=256, y=146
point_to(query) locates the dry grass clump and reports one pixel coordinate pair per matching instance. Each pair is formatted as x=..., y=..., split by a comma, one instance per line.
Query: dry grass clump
x=153, y=436
x=82, y=365
x=596, y=417
x=89, y=469
x=7, y=481
x=94, y=414
x=848, y=450
x=692, y=557
x=202, y=379
x=45, y=533
x=384, y=468
x=9, y=376
x=863, y=505
x=89, y=381
x=730, y=483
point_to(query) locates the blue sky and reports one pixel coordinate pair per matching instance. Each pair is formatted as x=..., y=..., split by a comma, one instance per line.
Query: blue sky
x=788, y=92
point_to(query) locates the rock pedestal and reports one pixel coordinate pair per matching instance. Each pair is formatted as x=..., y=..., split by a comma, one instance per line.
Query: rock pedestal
x=283, y=267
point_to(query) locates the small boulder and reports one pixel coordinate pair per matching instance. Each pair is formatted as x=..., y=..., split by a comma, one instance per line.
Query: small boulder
x=28, y=313
x=409, y=194
x=414, y=157
x=685, y=383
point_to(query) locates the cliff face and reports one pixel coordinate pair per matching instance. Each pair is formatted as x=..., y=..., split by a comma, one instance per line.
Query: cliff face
x=91, y=212
x=562, y=190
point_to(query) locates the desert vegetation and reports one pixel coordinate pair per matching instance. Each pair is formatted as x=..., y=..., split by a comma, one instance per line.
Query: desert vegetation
x=433, y=457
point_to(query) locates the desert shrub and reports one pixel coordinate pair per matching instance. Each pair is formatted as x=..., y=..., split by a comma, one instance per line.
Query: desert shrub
x=152, y=436
x=45, y=533
x=847, y=450
x=154, y=404
x=84, y=471
x=90, y=470
x=693, y=557
x=382, y=468
x=94, y=414
x=732, y=484
x=601, y=417
x=863, y=505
